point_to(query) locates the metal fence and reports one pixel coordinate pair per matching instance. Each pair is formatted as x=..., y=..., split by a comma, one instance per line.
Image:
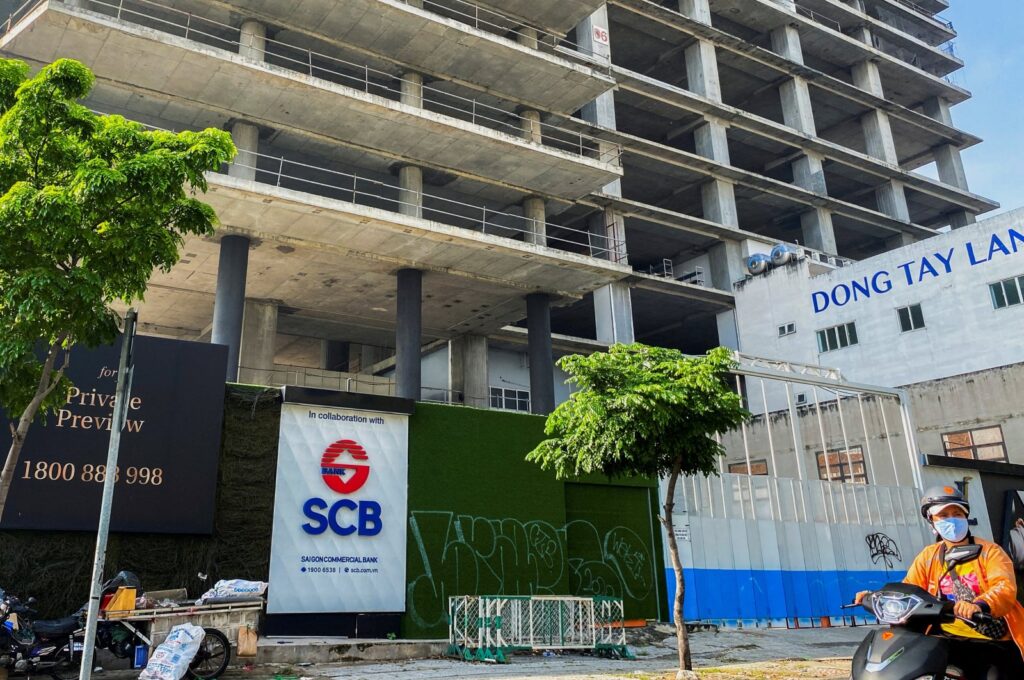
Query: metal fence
x=490, y=627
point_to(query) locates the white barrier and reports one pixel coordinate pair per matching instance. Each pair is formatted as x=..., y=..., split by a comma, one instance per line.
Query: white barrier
x=483, y=627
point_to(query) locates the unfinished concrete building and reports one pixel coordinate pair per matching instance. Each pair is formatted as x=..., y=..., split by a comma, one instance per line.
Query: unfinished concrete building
x=435, y=198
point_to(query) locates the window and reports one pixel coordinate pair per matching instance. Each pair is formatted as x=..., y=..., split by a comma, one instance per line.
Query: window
x=837, y=467
x=510, y=399
x=757, y=467
x=985, y=443
x=1007, y=293
x=837, y=337
x=787, y=329
x=911, y=318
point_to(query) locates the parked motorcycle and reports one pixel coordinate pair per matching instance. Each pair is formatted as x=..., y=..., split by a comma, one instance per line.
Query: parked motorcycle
x=39, y=647
x=903, y=651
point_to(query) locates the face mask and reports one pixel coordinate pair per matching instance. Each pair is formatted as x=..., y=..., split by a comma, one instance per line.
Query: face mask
x=953, y=529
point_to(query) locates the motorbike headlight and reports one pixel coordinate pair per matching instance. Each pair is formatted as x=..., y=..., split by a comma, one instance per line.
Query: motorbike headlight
x=894, y=608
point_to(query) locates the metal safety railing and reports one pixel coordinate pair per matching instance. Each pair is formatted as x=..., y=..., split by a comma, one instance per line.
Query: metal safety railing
x=361, y=77
x=350, y=187
x=500, y=24
x=819, y=18
x=486, y=627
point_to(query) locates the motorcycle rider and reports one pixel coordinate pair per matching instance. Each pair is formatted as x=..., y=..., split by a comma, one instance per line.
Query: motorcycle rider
x=986, y=584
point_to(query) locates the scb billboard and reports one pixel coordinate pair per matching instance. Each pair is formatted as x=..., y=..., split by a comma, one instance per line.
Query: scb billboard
x=166, y=477
x=340, y=511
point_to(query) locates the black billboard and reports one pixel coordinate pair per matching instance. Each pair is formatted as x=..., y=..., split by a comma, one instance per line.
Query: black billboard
x=170, y=446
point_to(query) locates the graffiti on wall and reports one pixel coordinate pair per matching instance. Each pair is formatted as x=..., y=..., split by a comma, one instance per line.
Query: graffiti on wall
x=465, y=555
x=883, y=549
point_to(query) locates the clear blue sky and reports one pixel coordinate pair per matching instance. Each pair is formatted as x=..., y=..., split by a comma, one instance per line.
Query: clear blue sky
x=990, y=44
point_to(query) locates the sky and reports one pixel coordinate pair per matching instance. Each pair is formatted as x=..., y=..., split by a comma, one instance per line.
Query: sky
x=990, y=45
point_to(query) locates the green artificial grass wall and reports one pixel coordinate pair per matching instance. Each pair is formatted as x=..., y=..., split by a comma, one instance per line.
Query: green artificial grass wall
x=482, y=520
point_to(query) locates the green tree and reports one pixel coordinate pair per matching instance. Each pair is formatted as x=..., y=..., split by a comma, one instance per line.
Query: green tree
x=90, y=206
x=644, y=411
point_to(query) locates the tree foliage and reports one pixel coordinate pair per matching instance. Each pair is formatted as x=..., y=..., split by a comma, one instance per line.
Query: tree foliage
x=641, y=410
x=90, y=206
x=644, y=411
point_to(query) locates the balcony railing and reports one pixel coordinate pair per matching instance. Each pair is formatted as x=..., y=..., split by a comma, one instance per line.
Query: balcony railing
x=350, y=187
x=488, y=20
x=360, y=77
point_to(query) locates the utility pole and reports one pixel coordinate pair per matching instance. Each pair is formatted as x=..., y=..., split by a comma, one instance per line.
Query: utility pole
x=121, y=398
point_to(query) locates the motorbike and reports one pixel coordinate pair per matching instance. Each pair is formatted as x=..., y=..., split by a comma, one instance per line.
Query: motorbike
x=904, y=651
x=39, y=647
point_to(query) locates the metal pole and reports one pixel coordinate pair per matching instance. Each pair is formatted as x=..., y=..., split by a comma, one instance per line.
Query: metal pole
x=888, y=440
x=746, y=453
x=867, y=439
x=121, y=398
x=908, y=429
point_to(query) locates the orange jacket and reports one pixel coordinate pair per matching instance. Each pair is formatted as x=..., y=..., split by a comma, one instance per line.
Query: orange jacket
x=997, y=581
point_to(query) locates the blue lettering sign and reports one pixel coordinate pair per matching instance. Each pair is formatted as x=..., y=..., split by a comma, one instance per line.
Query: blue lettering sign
x=368, y=517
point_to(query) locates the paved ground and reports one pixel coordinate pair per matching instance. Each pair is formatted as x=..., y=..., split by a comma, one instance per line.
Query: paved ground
x=729, y=655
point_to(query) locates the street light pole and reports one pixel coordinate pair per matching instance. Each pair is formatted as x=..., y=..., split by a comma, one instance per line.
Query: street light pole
x=121, y=398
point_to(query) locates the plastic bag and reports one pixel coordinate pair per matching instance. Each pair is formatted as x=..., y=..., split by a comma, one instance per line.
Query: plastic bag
x=171, y=659
x=234, y=589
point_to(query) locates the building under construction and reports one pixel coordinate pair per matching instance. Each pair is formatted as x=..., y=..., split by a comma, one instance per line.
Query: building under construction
x=436, y=198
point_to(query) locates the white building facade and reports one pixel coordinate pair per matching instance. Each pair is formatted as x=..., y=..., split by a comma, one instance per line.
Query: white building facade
x=945, y=306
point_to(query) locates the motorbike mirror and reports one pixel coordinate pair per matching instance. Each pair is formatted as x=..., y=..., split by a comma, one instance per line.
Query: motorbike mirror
x=962, y=554
x=31, y=601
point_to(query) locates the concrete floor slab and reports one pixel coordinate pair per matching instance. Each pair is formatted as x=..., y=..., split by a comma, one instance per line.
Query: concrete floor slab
x=447, y=40
x=149, y=60
x=336, y=260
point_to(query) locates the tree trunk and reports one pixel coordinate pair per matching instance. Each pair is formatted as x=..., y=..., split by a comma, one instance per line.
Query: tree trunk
x=685, y=663
x=48, y=380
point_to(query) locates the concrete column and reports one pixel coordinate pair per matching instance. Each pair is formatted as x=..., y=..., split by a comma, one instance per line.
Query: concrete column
x=608, y=240
x=542, y=359
x=880, y=143
x=410, y=191
x=727, y=266
x=702, y=70
x=253, y=40
x=369, y=356
x=412, y=89
x=718, y=195
x=816, y=223
x=246, y=137
x=613, y=305
x=892, y=200
x=948, y=160
x=81, y=4
x=229, y=300
x=536, y=221
x=698, y=10
x=899, y=240
x=726, y=261
x=335, y=355
x=408, y=334
x=467, y=370
x=527, y=36
x=797, y=111
x=259, y=336
x=529, y=123
x=613, y=312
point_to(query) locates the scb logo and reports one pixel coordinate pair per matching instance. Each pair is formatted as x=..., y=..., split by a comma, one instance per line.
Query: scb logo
x=343, y=477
